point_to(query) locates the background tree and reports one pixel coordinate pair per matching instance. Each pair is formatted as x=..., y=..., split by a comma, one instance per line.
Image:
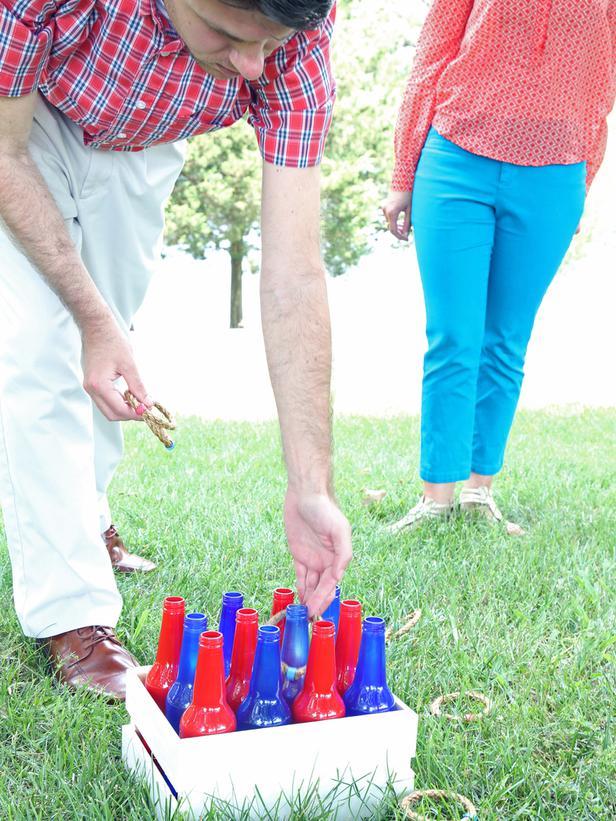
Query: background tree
x=372, y=56
x=215, y=204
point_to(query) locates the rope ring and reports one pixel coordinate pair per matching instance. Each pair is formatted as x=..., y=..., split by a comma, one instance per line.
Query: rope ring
x=158, y=419
x=292, y=673
x=274, y=620
x=435, y=707
x=412, y=619
x=414, y=797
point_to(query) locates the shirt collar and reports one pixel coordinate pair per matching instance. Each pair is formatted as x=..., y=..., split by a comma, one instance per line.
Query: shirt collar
x=157, y=10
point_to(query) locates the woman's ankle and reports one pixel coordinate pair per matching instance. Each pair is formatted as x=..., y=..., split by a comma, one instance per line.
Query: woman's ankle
x=443, y=494
x=479, y=480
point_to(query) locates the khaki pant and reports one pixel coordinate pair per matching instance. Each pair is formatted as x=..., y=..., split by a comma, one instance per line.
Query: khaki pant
x=57, y=452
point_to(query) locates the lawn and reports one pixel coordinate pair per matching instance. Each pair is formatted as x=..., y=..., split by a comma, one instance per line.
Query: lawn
x=529, y=622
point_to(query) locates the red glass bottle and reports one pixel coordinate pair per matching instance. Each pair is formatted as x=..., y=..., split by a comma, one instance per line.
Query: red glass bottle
x=209, y=713
x=243, y=656
x=282, y=597
x=320, y=698
x=164, y=671
x=348, y=642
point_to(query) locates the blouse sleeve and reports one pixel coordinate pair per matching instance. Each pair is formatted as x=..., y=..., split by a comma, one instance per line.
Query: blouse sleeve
x=439, y=42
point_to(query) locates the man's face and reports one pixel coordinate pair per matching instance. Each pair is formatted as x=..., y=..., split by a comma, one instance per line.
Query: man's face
x=224, y=40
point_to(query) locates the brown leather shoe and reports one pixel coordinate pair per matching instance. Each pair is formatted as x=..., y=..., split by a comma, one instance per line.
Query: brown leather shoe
x=121, y=559
x=91, y=657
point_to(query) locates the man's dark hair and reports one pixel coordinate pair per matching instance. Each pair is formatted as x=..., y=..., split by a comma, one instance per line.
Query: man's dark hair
x=295, y=14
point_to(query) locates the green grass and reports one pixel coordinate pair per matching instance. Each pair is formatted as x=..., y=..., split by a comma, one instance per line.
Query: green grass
x=531, y=622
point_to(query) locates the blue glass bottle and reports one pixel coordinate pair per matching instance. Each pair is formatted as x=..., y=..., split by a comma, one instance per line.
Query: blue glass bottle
x=369, y=692
x=181, y=691
x=231, y=603
x=294, y=651
x=264, y=705
x=332, y=613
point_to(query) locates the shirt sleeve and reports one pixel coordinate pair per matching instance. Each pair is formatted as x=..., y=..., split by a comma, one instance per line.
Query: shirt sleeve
x=292, y=102
x=26, y=37
x=438, y=44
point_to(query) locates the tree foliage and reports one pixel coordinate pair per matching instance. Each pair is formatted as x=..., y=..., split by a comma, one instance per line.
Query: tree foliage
x=216, y=201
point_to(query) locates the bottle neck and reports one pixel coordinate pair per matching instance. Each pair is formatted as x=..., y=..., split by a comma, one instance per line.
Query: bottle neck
x=371, y=664
x=244, y=646
x=265, y=680
x=209, y=678
x=170, y=640
x=295, y=643
x=188, y=656
x=349, y=636
x=321, y=671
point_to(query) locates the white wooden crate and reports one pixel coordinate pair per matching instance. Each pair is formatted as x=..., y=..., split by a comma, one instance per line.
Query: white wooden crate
x=350, y=763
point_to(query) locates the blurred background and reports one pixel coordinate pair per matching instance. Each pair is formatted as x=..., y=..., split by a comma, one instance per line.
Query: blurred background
x=198, y=336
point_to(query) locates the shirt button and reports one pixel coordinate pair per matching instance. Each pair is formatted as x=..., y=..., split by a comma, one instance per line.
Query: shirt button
x=122, y=135
x=165, y=54
x=140, y=104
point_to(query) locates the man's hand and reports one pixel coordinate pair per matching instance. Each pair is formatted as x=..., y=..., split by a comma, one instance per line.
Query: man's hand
x=397, y=212
x=320, y=543
x=107, y=356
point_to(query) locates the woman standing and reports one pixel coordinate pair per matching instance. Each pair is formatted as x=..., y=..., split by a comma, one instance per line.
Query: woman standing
x=500, y=133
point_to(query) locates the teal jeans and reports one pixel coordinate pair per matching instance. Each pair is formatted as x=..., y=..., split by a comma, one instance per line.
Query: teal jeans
x=490, y=237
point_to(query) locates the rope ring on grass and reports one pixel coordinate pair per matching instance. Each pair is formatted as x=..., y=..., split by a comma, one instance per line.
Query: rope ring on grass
x=414, y=797
x=435, y=707
x=412, y=619
x=158, y=419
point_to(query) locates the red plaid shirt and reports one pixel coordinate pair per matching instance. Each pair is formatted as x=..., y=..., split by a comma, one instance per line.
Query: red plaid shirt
x=119, y=70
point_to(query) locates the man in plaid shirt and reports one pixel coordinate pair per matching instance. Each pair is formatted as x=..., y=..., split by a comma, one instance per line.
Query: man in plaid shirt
x=95, y=99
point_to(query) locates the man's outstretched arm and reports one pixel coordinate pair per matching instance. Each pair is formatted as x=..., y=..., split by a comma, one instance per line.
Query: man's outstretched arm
x=296, y=328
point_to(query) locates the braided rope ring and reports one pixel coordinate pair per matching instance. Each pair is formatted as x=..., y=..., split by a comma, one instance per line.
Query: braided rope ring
x=412, y=619
x=292, y=673
x=435, y=707
x=275, y=620
x=158, y=419
x=414, y=797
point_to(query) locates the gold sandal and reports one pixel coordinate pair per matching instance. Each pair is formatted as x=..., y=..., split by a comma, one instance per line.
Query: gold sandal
x=480, y=499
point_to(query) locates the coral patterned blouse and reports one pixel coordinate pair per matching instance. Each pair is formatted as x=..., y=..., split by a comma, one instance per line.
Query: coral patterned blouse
x=529, y=82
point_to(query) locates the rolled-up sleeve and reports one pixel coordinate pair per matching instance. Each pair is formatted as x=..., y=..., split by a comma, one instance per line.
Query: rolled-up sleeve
x=26, y=37
x=292, y=103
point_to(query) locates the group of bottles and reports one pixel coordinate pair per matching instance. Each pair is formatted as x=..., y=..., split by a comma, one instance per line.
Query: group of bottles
x=243, y=676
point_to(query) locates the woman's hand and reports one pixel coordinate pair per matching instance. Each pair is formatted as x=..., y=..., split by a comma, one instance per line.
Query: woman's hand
x=397, y=211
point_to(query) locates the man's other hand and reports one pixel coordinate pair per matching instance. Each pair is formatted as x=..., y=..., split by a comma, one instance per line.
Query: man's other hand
x=107, y=356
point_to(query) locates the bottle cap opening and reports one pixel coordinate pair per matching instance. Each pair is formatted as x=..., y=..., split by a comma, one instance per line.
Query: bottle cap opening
x=323, y=628
x=211, y=638
x=174, y=604
x=247, y=614
x=269, y=632
x=374, y=624
x=296, y=612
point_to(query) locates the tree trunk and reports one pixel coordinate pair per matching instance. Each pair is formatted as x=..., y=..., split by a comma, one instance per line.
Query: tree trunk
x=237, y=256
